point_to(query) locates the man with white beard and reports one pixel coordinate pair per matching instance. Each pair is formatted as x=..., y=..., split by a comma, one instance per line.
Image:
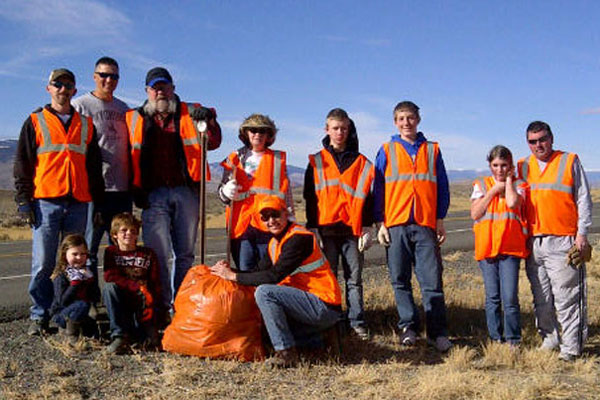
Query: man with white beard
x=166, y=159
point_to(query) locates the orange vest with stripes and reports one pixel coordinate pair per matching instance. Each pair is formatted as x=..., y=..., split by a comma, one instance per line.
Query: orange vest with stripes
x=501, y=230
x=270, y=179
x=411, y=185
x=60, y=169
x=552, y=209
x=314, y=274
x=190, y=138
x=341, y=196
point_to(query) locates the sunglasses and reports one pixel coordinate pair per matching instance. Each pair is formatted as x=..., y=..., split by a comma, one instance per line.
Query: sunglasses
x=543, y=139
x=259, y=131
x=105, y=75
x=267, y=215
x=59, y=85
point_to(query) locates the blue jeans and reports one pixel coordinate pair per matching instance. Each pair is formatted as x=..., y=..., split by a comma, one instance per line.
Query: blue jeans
x=352, y=266
x=501, y=280
x=250, y=248
x=114, y=203
x=123, y=308
x=170, y=226
x=77, y=311
x=290, y=313
x=54, y=218
x=414, y=245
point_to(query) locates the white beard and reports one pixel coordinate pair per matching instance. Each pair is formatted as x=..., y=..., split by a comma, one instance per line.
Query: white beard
x=161, y=106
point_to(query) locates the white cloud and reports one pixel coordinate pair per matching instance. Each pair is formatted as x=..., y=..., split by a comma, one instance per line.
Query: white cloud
x=461, y=152
x=589, y=111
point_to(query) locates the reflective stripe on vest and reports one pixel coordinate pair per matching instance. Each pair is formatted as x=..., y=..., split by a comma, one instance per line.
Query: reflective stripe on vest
x=323, y=183
x=48, y=146
x=501, y=216
x=276, y=181
x=304, y=268
x=397, y=176
x=560, y=176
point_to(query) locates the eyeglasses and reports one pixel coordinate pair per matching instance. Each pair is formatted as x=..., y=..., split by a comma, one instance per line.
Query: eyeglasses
x=543, y=139
x=259, y=131
x=267, y=215
x=104, y=75
x=59, y=85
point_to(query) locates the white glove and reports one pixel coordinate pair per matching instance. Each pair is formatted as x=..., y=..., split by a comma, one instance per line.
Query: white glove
x=315, y=232
x=230, y=189
x=383, y=236
x=365, y=240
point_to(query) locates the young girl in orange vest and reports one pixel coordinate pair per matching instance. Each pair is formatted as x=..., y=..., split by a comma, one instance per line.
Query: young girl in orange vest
x=500, y=243
x=251, y=173
x=74, y=287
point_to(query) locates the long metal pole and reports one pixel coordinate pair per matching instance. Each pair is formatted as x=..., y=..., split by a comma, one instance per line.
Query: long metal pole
x=202, y=126
x=230, y=222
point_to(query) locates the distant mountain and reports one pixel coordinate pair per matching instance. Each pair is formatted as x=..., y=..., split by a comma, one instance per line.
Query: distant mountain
x=296, y=174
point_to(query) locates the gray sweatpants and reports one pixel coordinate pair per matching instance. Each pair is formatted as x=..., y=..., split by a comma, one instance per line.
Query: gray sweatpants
x=559, y=293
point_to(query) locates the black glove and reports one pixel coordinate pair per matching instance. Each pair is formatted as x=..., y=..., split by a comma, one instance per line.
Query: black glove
x=202, y=114
x=26, y=214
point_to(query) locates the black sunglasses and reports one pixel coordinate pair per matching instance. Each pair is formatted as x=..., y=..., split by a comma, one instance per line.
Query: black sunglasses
x=105, y=75
x=543, y=139
x=267, y=215
x=59, y=85
x=261, y=131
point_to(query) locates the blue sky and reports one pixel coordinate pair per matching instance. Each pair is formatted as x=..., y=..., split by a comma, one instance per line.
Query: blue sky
x=479, y=70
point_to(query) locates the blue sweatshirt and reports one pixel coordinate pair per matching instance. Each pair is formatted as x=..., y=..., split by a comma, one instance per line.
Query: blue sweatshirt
x=443, y=192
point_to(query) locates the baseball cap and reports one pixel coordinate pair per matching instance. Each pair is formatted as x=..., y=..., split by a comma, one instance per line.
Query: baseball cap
x=61, y=72
x=272, y=202
x=156, y=75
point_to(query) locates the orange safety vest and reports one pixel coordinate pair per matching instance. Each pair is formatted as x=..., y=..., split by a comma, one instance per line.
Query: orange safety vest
x=501, y=230
x=187, y=131
x=341, y=196
x=60, y=168
x=314, y=274
x=270, y=179
x=411, y=185
x=552, y=209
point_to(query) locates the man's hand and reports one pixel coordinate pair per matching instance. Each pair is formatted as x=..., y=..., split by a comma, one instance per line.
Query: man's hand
x=383, y=236
x=230, y=189
x=315, y=232
x=581, y=241
x=365, y=240
x=202, y=114
x=222, y=270
x=26, y=214
x=440, y=231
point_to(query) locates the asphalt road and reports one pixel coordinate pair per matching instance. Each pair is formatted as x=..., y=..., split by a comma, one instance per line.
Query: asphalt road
x=15, y=259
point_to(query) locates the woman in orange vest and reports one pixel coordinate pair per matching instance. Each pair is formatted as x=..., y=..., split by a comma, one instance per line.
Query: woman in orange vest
x=251, y=173
x=500, y=243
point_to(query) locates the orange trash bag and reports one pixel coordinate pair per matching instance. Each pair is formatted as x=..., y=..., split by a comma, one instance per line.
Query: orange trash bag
x=214, y=318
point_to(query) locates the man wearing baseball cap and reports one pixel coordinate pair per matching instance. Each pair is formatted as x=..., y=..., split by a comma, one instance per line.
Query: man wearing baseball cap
x=297, y=291
x=166, y=158
x=58, y=171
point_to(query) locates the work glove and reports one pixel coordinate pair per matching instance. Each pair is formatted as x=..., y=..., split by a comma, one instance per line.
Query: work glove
x=145, y=303
x=315, y=232
x=26, y=214
x=365, y=240
x=383, y=236
x=230, y=190
x=576, y=258
x=202, y=114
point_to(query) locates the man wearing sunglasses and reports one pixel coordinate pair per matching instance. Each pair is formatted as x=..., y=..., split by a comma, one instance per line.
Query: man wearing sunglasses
x=108, y=114
x=559, y=212
x=297, y=294
x=58, y=171
x=166, y=156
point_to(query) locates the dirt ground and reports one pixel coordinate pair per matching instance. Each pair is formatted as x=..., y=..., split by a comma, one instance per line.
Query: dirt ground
x=45, y=368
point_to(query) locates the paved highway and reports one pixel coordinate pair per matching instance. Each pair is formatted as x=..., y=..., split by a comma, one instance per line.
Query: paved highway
x=15, y=260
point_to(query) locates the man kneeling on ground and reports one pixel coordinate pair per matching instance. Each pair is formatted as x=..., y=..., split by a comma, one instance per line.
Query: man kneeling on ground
x=297, y=293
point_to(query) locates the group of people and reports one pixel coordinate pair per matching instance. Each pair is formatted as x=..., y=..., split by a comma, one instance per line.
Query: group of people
x=80, y=165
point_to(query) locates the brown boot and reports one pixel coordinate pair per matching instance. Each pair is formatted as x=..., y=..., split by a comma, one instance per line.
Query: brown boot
x=72, y=331
x=283, y=359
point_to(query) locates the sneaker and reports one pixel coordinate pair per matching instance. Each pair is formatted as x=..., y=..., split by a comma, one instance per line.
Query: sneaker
x=362, y=332
x=408, y=337
x=37, y=327
x=283, y=359
x=548, y=344
x=567, y=357
x=441, y=343
x=119, y=345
